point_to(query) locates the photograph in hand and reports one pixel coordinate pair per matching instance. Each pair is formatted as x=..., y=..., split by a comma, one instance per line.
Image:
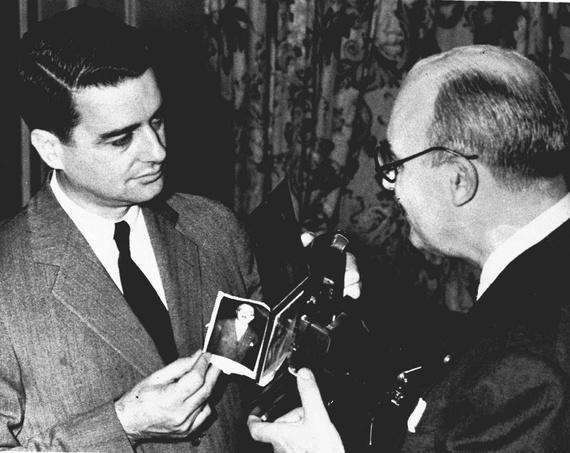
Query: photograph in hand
x=249, y=338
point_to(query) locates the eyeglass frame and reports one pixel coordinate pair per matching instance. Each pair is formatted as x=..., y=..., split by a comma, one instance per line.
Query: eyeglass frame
x=382, y=170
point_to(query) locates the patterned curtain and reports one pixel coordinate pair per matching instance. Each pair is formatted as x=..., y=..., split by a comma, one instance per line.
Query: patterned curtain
x=312, y=83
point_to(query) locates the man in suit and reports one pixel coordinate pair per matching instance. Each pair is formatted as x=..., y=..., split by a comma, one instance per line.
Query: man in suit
x=104, y=284
x=478, y=147
x=234, y=338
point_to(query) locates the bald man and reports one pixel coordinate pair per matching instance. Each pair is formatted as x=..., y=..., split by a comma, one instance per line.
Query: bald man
x=478, y=147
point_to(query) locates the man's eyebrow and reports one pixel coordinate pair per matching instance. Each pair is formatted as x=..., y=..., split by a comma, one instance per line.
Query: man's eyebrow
x=117, y=132
x=158, y=113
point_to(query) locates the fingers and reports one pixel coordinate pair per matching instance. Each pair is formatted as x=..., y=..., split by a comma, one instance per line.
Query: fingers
x=191, y=393
x=201, y=417
x=306, y=429
x=178, y=368
x=307, y=237
x=353, y=291
x=212, y=375
x=171, y=401
x=352, y=284
x=193, y=375
x=255, y=426
x=313, y=406
x=198, y=384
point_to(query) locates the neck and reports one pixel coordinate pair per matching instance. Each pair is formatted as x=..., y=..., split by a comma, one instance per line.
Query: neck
x=509, y=213
x=89, y=203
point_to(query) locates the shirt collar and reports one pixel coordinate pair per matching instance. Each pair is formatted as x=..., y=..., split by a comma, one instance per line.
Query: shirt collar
x=523, y=239
x=91, y=225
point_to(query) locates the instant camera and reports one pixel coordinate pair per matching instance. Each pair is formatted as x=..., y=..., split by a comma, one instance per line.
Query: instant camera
x=329, y=337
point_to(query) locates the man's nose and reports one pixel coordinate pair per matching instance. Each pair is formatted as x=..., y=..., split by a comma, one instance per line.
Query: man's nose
x=156, y=145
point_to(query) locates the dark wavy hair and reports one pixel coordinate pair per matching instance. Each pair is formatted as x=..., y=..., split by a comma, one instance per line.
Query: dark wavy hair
x=78, y=48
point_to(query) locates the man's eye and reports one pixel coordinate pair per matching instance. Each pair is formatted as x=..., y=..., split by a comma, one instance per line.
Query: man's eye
x=157, y=123
x=123, y=141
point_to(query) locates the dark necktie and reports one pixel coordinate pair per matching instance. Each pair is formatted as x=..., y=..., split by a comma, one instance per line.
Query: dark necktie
x=142, y=297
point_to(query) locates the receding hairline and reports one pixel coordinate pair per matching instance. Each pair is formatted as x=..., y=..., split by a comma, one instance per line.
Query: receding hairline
x=484, y=58
x=432, y=72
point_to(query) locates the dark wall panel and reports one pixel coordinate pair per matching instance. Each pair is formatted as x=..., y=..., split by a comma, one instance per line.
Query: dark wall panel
x=10, y=173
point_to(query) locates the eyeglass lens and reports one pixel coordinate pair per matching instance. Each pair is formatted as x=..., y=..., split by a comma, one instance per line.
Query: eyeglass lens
x=386, y=178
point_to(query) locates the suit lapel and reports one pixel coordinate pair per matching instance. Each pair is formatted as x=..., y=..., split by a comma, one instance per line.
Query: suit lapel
x=528, y=293
x=523, y=272
x=233, y=330
x=83, y=286
x=177, y=258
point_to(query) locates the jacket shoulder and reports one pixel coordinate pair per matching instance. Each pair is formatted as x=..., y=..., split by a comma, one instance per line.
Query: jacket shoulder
x=193, y=205
x=14, y=236
x=13, y=225
x=203, y=218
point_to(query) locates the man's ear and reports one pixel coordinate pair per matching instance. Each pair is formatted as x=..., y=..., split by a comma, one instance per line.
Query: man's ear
x=464, y=181
x=49, y=147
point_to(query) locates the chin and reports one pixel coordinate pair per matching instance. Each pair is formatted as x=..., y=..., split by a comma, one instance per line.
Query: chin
x=424, y=246
x=419, y=243
x=148, y=191
x=415, y=240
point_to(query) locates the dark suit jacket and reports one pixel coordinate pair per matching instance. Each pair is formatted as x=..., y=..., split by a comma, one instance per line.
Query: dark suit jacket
x=507, y=388
x=69, y=344
x=225, y=342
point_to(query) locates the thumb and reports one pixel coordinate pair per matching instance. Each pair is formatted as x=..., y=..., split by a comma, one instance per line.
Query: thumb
x=265, y=432
x=311, y=399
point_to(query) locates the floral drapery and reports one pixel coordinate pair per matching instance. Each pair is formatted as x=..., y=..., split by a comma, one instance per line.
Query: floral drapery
x=312, y=84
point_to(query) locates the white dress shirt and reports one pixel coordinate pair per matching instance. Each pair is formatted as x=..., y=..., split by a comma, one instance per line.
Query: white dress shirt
x=98, y=232
x=523, y=239
x=241, y=327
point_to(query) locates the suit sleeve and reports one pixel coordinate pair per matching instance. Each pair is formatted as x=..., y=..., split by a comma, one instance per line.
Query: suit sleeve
x=516, y=402
x=96, y=430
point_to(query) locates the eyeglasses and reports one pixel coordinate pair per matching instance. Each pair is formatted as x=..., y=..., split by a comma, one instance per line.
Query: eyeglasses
x=387, y=169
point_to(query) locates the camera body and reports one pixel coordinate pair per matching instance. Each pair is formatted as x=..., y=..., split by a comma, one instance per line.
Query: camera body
x=369, y=394
x=331, y=340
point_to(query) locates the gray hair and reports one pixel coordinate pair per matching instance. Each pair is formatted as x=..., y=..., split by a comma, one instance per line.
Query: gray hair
x=497, y=104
